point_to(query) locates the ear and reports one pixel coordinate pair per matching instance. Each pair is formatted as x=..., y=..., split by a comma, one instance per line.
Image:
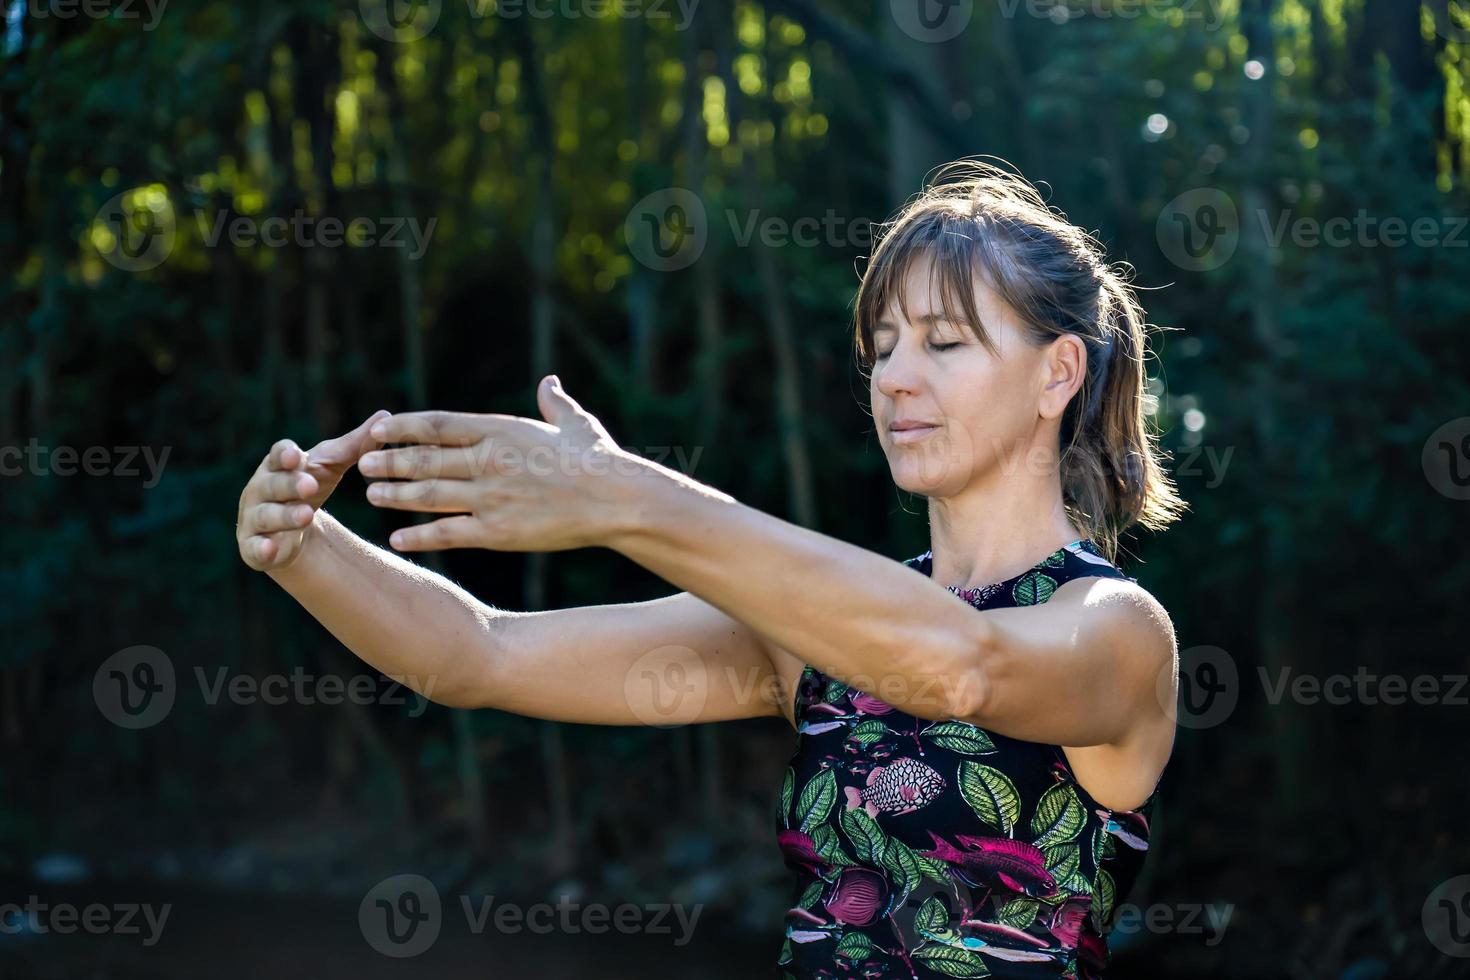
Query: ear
x=1063, y=370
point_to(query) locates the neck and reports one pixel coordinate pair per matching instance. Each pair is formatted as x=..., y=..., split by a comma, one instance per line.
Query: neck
x=998, y=526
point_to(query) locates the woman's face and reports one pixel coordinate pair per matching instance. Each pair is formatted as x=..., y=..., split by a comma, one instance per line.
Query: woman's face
x=949, y=412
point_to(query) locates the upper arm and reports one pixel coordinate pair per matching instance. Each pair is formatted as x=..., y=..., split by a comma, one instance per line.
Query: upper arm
x=1092, y=666
x=672, y=661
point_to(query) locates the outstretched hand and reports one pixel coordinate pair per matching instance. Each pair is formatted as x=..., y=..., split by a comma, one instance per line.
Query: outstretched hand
x=289, y=486
x=514, y=484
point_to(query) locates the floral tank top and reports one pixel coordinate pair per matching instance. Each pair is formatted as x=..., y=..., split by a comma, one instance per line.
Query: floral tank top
x=940, y=849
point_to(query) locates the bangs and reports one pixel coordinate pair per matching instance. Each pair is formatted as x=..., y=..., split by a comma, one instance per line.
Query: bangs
x=959, y=253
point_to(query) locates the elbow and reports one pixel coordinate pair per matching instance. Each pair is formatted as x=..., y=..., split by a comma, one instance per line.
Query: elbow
x=975, y=679
x=430, y=689
x=452, y=699
x=954, y=679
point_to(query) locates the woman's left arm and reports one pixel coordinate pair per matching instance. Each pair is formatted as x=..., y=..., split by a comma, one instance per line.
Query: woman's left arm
x=1083, y=669
x=1076, y=674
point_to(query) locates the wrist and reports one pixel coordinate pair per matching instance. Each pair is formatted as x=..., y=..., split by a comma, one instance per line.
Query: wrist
x=649, y=499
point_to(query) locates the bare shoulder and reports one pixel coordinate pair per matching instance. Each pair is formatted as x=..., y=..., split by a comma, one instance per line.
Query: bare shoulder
x=1129, y=629
x=1126, y=617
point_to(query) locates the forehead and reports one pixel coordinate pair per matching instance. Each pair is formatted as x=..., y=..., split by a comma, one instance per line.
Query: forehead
x=918, y=297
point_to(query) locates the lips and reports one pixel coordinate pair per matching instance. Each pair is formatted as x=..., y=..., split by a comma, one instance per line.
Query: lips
x=910, y=430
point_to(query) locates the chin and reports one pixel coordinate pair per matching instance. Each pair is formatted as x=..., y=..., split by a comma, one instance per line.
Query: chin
x=927, y=474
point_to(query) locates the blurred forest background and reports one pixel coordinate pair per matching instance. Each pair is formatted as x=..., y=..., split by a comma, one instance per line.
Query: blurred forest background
x=667, y=205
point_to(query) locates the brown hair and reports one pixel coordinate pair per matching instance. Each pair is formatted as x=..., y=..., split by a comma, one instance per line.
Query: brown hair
x=977, y=219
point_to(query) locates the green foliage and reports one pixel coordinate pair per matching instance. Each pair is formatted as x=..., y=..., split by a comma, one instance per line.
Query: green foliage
x=1295, y=400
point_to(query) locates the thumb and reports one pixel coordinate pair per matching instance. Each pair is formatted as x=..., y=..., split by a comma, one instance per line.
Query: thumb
x=557, y=407
x=348, y=448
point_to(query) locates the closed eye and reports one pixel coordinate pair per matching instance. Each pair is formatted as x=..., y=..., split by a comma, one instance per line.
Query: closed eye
x=883, y=355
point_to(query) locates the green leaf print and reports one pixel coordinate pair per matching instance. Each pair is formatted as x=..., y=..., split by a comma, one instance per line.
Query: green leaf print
x=1099, y=835
x=932, y=915
x=788, y=787
x=817, y=799
x=1062, y=860
x=1035, y=588
x=1018, y=913
x=991, y=794
x=785, y=956
x=1104, y=893
x=868, y=731
x=868, y=839
x=903, y=868
x=1056, y=559
x=836, y=690
x=1075, y=885
x=1064, y=864
x=951, y=962
x=811, y=896
x=934, y=868
x=959, y=736
x=829, y=847
x=855, y=946
x=1059, y=816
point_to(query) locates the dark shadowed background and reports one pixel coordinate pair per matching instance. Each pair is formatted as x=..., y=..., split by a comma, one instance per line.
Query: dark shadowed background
x=226, y=223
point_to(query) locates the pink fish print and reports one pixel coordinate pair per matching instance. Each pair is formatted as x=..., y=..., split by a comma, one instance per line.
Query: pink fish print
x=902, y=786
x=1017, y=865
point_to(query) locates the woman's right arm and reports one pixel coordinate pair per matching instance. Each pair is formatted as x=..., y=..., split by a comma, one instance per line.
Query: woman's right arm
x=670, y=661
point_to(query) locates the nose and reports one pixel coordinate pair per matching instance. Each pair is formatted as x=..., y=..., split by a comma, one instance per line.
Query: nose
x=897, y=374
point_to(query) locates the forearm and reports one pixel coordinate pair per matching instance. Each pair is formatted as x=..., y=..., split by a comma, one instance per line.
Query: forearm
x=854, y=614
x=409, y=623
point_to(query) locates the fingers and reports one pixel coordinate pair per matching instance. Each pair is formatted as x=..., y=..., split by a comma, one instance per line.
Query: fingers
x=428, y=496
x=438, y=428
x=286, y=485
x=447, y=532
x=427, y=462
x=264, y=551
x=274, y=509
x=349, y=447
x=259, y=551
x=285, y=455
x=268, y=518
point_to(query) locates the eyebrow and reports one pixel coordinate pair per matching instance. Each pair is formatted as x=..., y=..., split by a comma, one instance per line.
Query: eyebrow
x=928, y=319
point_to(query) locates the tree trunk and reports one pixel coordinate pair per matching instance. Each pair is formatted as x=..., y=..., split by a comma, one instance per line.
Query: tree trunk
x=643, y=283
x=561, y=854
x=709, y=363
x=1279, y=602
x=801, y=494
x=410, y=299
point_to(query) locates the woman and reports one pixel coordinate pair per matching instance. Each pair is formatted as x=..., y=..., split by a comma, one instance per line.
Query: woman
x=979, y=744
